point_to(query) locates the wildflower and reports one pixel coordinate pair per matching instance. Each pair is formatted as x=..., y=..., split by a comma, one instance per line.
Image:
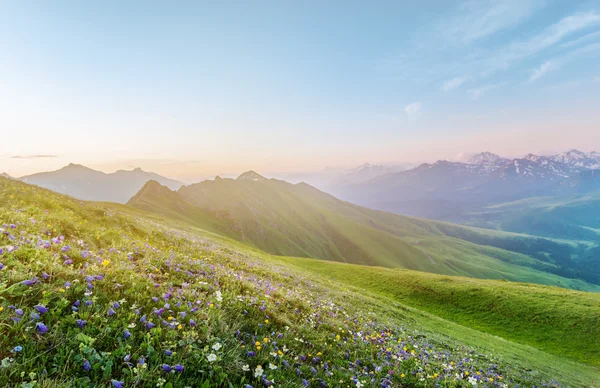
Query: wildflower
x=118, y=384
x=179, y=368
x=41, y=309
x=192, y=323
x=116, y=305
x=168, y=353
x=212, y=357
x=68, y=262
x=81, y=323
x=219, y=297
x=217, y=346
x=30, y=282
x=272, y=366
x=17, y=349
x=126, y=334
x=86, y=365
x=166, y=368
x=149, y=325
x=41, y=328
x=111, y=312
x=19, y=312
x=258, y=371
x=105, y=263
x=246, y=368
x=141, y=361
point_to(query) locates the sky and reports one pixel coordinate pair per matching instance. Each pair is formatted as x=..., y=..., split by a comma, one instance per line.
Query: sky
x=193, y=88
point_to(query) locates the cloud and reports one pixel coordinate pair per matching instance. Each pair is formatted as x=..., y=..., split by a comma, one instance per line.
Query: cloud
x=413, y=109
x=453, y=83
x=558, y=62
x=543, y=69
x=33, y=156
x=479, y=92
x=583, y=39
x=479, y=19
x=553, y=34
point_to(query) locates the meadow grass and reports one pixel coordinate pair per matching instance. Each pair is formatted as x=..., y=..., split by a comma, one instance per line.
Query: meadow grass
x=95, y=296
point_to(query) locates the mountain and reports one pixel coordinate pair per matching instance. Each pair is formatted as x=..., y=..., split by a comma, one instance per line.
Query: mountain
x=480, y=158
x=366, y=172
x=579, y=159
x=299, y=220
x=85, y=183
x=5, y=175
x=138, y=299
x=446, y=189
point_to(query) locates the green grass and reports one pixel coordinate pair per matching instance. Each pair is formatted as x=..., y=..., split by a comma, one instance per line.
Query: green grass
x=556, y=320
x=299, y=220
x=299, y=305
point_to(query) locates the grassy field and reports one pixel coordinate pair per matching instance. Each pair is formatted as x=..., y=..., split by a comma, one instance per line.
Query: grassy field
x=129, y=298
x=299, y=220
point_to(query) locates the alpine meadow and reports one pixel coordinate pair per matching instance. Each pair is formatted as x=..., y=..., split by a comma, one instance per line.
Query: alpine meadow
x=300, y=194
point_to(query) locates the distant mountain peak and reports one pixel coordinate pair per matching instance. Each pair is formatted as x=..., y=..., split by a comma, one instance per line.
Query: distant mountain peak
x=5, y=175
x=251, y=176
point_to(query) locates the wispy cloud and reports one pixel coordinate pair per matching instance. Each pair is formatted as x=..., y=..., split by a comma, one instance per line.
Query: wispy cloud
x=477, y=93
x=558, y=62
x=413, y=109
x=453, y=83
x=479, y=19
x=552, y=35
x=543, y=69
x=33, y=156
x=582, y=39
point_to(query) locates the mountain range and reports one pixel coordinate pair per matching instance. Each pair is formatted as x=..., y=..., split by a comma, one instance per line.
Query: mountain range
x=299, y=220
x=444, y=189
x=85, y=183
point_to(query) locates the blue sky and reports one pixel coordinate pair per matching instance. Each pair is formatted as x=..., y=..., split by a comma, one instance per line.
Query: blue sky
x=196, y=88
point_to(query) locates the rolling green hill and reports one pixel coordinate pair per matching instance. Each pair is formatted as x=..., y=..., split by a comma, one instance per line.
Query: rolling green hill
x=99, y=294
x=299, y=220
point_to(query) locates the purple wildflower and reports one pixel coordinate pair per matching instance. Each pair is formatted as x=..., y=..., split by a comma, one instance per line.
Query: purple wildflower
x=41, y=309
x=41, y=328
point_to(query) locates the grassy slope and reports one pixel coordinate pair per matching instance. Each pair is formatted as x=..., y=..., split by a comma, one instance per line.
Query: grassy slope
x=112, y=225
x=559, y=321
x=299, y=220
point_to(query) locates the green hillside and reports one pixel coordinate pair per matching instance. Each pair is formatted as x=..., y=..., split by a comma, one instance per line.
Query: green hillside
x=299, y=220
x=96, y=294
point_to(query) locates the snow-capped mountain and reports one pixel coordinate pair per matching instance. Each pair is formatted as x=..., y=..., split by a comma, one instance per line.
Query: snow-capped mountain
x=480, y=158
x=579, y=159
x=433, y=190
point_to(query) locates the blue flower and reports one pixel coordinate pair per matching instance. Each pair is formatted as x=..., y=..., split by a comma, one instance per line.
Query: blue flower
x=41, y=328
x=126, y=334
x=179, y=368
x=81, y=323
x=118, y=384
x=41, y=309
x=17, y=349
x=166, y=368
x=86, y=365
